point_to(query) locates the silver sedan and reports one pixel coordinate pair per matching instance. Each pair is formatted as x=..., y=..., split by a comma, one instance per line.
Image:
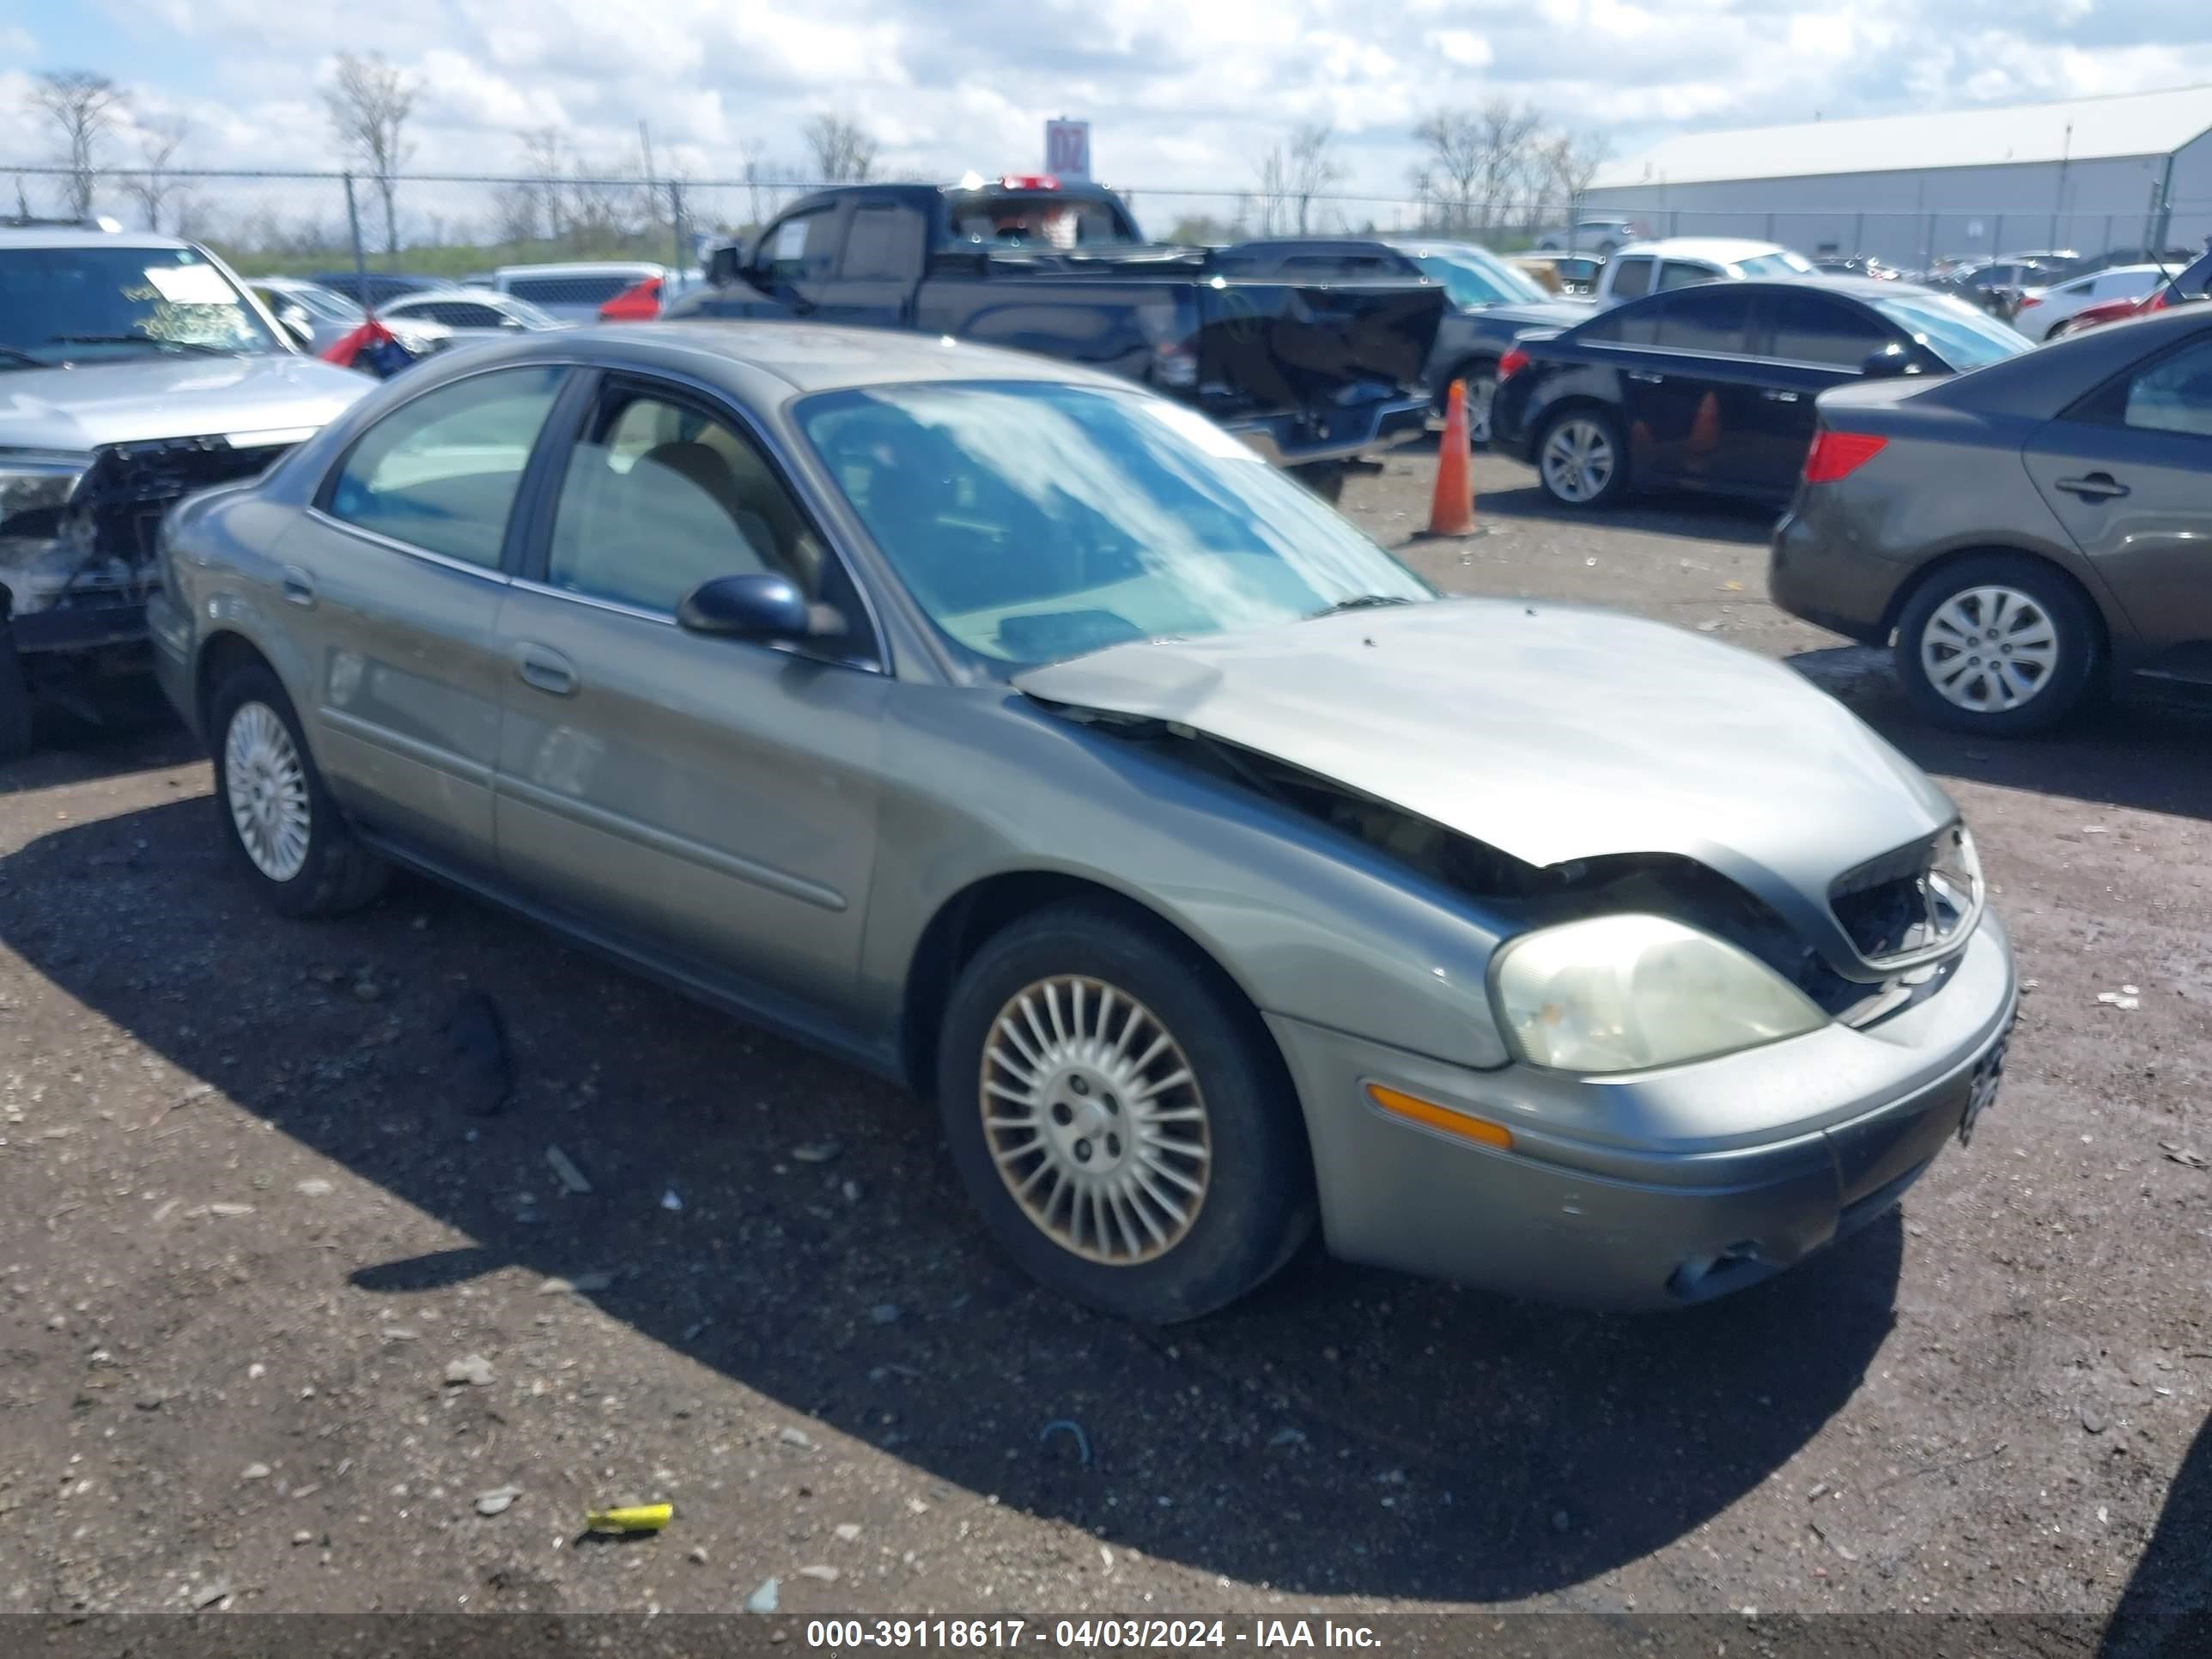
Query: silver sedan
x=1020, y=736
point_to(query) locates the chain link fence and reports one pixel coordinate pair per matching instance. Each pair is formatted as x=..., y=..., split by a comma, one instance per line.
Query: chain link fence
x=461, y=225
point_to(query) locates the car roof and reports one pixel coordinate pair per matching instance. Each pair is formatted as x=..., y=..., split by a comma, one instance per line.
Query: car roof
x=444, y=296
x=816, y=357
x=1726, y=249
x=77, y=236
x=583, y=268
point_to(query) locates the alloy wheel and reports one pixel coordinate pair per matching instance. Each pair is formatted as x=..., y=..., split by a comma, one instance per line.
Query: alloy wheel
x=1577, y=461
x=265, y=787
x=1095, y=1119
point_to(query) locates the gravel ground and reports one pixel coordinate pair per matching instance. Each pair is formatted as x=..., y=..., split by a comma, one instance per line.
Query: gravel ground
x=284, y=1326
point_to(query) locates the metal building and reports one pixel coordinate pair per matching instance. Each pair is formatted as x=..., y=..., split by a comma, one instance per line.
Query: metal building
x=2088, y=173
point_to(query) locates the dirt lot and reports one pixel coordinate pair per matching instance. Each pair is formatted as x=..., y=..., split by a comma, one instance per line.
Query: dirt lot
x=253, y=1239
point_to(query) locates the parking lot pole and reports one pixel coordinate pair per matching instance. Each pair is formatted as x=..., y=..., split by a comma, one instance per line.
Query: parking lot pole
x=360, y=259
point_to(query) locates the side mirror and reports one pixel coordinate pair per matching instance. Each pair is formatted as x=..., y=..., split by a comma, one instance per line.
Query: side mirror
x=295, y=323
x=764, y=608
x=1887, y=362
x=726, y=265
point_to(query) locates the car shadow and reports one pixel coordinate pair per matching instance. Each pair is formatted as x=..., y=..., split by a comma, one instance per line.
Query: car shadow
x=2146, y=756
x=1343, y=1431
x=2165, y=1611
x=1699, y=518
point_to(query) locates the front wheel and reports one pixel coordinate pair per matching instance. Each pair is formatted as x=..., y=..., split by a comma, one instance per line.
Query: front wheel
x=1582, y=458
x=278, y=818
x=1998, y=644
x=1481, y=380
x=1120, y=1118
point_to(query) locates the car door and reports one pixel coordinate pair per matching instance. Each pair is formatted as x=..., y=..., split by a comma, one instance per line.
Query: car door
x=2126, y=471
x=393, y=580
x=878, y=268
x=706, y=801
x=1717, y=394
x=1812, y=341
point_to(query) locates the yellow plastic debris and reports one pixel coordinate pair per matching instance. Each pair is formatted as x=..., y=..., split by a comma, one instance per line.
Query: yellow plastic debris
x=643, y=1517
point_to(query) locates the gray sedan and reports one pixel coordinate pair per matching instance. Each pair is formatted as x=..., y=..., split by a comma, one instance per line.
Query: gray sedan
x=2031, y=534
x=1021, y=736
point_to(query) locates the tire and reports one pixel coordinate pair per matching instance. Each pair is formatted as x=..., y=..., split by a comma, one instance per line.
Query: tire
x=1324, y=478
x=1138, y=1259
x=1561, y=427
x=319, y=868
x=17, y=733
x=1477, y=372
x=2024, y=603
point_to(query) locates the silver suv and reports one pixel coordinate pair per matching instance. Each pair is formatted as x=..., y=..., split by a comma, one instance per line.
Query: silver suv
x=134, y=369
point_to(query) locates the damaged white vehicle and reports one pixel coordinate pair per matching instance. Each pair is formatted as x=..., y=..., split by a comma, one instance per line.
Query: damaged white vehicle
x=1021, y=736
x=134, y=369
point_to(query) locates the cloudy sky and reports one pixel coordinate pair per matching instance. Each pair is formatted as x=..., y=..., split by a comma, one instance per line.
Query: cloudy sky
x=1182, y=92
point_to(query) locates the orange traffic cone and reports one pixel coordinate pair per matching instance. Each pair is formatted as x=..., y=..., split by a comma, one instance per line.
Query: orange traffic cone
x=1451, y=512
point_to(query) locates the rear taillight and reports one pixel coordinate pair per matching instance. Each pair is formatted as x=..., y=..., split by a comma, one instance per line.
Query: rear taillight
x=1838, y=454
x=1511, y=363
x=2027, y=300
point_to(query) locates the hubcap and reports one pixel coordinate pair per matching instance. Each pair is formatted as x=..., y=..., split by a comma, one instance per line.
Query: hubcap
x=1988, y=649
x=267, y=790
x=1481, y=392
x=1095, y=1119
x=1577, y=461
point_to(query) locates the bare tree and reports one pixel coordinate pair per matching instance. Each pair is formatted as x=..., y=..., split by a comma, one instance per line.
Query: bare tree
x=1274, y=197
x=844, y=151
x=1452, y=141
x=84, y=108
x=1506, y=132
x=1570, y=161
x=1312, y=168
x=761, y=176
x=369, y=102
x=152, y=188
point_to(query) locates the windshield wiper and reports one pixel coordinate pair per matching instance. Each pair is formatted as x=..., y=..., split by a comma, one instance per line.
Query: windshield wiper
x=17, y=355
x=200, y=346
x=1363, y=602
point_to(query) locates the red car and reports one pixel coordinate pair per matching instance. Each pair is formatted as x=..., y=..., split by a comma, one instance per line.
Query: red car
x=638, y=303
x=2190, y=285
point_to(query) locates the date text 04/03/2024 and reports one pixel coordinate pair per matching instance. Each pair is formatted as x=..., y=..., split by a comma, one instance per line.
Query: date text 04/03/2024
x=1087, y=1635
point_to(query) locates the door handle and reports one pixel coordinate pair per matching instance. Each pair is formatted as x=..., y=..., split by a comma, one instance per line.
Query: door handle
x=2097, y=487
x=299, y=586
x=1645, y=377
x=547, y=670
x=1774, y=396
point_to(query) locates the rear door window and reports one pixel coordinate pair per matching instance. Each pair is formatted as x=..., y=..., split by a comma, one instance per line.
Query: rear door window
x=1715, y=319
x=885, y=244
x=1819, y=328
x=440, y=472
x=1684, y=273
x=1630, y=277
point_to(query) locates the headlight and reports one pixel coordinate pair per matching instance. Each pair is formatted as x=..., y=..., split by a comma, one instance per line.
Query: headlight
x=36, y=481
x=1622, y=993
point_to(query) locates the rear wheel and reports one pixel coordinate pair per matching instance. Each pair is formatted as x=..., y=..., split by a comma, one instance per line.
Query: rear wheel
x=278, y=818
x=1482, y=378
x=1581, y=459
x=1120, y=1118
x=1999, y=644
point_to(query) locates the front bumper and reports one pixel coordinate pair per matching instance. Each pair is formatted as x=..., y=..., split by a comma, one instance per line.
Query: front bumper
x=1848, y=591
x=1653, y=1190
x=89, y=625
x=1331, y=435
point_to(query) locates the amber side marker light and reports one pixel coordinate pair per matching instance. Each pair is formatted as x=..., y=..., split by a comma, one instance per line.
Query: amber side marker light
x=1480, y=1130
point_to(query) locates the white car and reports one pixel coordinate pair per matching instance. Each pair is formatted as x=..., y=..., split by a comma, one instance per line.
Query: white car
x=1599, y=236
x=2045, y=311
x=471, y=313
x=1643, y=268
x=573, y=292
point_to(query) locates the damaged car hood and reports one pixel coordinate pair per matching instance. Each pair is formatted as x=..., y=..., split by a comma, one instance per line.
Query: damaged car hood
x=133, y=400
x=1550, y=732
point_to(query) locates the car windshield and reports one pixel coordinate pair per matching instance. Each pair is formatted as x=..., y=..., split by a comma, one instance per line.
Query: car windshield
x=1960, y=334
x=93, y=304
x=1471, y=281
x=1035, y=522
x=1773, y=264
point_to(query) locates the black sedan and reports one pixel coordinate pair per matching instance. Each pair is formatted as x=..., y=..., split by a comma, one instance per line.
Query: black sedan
x=1712, y=387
